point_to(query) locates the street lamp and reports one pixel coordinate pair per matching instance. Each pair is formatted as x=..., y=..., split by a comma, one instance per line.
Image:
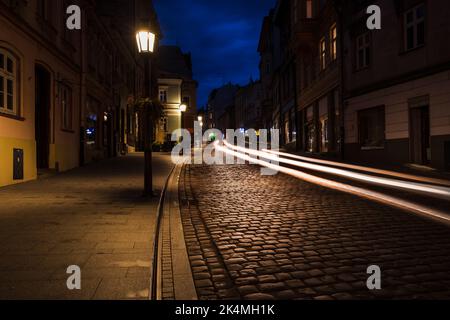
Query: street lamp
x=146, y=45
x=145, y=41
x=183, y=107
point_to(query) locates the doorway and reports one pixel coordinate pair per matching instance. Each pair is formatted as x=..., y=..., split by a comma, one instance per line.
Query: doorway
x=420, y=135
x=42, y=116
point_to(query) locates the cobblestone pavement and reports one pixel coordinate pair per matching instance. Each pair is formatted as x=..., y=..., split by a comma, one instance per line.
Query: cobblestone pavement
x=93, y=217
x=277, y=237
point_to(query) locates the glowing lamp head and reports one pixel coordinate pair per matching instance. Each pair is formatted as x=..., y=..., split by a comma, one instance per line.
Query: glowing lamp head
x=183, y=107
x=200, y=119
x=145, y=41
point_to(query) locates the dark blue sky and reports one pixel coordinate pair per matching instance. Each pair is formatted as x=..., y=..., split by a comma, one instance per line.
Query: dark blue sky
x=222, y=36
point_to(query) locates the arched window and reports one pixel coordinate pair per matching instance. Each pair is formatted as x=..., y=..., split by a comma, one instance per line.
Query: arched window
x=8, y=82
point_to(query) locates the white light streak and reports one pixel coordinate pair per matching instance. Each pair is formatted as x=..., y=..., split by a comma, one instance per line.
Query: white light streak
x=368, y=194
x=435, y=191
x=361, y=168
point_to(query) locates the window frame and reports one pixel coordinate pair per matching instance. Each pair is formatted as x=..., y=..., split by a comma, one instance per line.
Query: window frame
x=333, y=42
x=66, y=105
x=414, y=24
x=309, y=9
x=323, y=53
x=366, y=45
x=165, y=91
x=14, y=77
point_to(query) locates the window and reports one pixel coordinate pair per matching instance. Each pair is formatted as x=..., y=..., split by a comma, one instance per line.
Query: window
x=372, y=128
x=363, y=51
x=309, y=9
x=8, y=82
x=163, y=95
x=66, y=107
x=44, y=10
x=287, y=135
x=414, y=32
x=295, y=9
x=333, y=40
x=323, y=54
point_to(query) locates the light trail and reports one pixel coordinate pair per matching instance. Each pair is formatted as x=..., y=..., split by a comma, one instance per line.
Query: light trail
x=435, y=191
x=368, y=194
x=362, y=168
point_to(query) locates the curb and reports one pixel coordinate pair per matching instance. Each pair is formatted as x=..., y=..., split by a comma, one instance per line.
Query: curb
x=174, y=279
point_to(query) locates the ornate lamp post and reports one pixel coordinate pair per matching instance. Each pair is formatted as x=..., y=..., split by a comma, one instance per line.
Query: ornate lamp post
x=146, y=45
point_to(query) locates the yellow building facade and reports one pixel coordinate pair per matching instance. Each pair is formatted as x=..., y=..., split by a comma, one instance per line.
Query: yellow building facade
x=39, y=97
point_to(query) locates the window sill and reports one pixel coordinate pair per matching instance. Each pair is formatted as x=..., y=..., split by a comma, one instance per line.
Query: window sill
x=67, y=130
x=372, y=148
x=406, y=51
x=11, y=116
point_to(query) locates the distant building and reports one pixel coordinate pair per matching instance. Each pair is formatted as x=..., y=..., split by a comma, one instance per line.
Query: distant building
x=220, y=108
x=176, y=86
x=267, y=50
x=248, y=106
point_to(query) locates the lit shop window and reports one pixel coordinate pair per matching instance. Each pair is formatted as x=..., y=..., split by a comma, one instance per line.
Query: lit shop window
x=8, y=82
x=414, y=27
x=91, y=130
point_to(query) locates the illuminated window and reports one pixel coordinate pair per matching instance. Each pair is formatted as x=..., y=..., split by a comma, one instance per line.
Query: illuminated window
x=8, y=82
x=323, y=54
x=309, y=9
x=333, y=40
x=363, y=51
x=414, y=33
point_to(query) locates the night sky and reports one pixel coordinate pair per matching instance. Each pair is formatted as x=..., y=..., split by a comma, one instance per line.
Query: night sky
x=222, y=36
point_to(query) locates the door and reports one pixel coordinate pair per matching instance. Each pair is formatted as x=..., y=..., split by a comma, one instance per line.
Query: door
x=420, y=135
x=42, y=116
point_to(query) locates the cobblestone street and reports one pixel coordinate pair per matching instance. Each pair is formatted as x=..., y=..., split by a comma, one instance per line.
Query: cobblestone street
x=277, y=237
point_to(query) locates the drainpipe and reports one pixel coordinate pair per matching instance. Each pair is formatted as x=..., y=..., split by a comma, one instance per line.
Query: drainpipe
x=299, y=137
x=340, y=18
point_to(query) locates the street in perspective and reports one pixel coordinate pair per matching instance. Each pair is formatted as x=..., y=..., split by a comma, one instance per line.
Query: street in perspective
x=257, y=151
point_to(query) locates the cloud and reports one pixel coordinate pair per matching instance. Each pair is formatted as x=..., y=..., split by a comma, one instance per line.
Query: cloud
x=221, y=35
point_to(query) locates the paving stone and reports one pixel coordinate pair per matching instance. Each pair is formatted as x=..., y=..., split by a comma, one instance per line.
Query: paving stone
x=315, y=242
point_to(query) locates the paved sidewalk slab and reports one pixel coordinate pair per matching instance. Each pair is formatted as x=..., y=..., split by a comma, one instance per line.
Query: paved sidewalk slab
x=93, y=217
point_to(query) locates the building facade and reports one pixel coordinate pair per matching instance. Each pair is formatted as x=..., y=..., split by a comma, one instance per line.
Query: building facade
x=221, y=108
x=176, y=86
x=248, y=106
x=397, y=84
x=65, y=94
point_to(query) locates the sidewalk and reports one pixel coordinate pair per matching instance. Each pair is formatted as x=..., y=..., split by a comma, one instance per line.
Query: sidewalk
x=93, y=217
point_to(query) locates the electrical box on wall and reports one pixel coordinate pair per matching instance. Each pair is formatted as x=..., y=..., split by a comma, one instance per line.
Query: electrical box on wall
x=18, y=164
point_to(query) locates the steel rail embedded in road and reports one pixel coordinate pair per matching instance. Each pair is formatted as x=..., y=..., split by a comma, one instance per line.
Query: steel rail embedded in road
x=435, y=191
x=361, y=192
